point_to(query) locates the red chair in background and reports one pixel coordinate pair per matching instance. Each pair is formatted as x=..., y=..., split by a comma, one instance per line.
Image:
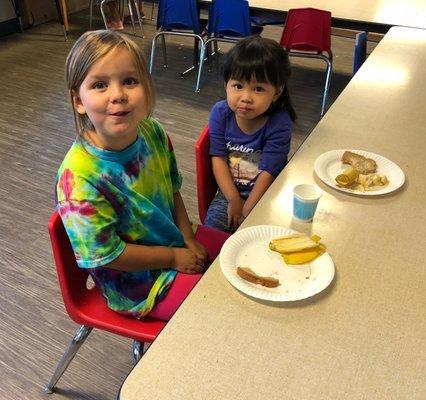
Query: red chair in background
x=307, y=33
x=206, y=182
x=87, y=306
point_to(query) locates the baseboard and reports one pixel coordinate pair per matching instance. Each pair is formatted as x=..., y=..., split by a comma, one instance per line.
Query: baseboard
x=9, y=26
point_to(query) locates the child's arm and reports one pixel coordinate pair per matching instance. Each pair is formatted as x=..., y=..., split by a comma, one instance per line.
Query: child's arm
x=136, y=257
x=227, y=186
x=264, y=180
x=184, y=224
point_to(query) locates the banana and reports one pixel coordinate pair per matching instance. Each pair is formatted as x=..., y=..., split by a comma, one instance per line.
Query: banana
x=292, y=243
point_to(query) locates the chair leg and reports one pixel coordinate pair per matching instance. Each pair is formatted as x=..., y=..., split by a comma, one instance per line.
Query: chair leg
x=200, y=66
x=103, y=13
x=153, y=45
x=152, y=10
x=139, y=349
x=138, y=15
x=327, y=84
x=129, y=6
x=78, y=339
x=90, y=14
x=163, y=44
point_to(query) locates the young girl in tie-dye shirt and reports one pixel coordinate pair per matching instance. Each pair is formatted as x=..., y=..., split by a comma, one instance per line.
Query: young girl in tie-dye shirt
x=118, y=186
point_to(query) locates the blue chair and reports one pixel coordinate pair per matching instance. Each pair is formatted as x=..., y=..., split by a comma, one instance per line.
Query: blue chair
x=178, y=18
x=360, y=51
x=229, y=21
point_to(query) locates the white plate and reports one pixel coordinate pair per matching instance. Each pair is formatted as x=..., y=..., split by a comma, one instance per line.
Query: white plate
x=249, y=248
x=328, y=165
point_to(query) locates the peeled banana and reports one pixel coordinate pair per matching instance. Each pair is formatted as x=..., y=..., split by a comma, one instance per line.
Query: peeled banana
x=291, y=243
x=298, y=248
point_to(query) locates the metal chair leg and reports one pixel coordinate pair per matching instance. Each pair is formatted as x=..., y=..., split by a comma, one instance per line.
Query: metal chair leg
x=78, y=339
x=137, y=351
x=138, y=14
x=103, y=13
x=129, y=6
x=90, y=14
x=200, y=66
x=153, y=45
x=327, y=84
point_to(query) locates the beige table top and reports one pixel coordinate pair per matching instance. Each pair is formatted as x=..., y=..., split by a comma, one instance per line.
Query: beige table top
x=410, y=13
x=364, y=336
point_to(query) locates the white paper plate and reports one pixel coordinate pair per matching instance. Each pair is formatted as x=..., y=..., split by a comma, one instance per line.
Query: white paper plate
x=249, y=248
x=328, y=165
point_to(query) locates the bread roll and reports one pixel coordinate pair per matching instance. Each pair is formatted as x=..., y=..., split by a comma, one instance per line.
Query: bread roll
x=362, y=164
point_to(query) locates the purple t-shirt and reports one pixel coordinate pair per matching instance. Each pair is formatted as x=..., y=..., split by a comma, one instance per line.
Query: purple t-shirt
x=249, y=155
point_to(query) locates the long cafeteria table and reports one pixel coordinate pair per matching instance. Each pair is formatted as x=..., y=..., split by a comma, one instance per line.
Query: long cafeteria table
x=374, y=16
x=364, y=337
x=369, y=15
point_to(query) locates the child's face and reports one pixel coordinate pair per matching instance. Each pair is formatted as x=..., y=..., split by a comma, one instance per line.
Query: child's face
x=250, y=100
x=114, y=100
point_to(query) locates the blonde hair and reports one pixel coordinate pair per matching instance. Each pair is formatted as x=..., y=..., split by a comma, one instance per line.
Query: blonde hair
x=90, y=48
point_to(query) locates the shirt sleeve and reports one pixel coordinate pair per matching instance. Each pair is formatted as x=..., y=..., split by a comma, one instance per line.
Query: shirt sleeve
x=90, y=224
x=217, y=127
x=277, y=144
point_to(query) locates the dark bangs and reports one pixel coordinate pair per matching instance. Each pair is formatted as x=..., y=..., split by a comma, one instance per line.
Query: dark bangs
x=264, y=60
x=259, y=58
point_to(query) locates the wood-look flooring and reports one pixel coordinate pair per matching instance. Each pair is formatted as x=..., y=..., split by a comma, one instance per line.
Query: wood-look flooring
x=36, y=129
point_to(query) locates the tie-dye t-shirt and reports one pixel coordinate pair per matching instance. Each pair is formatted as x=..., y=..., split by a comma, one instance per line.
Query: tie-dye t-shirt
x=107, y=199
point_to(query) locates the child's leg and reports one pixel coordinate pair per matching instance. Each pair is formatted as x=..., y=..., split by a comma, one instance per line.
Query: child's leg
x=212, y=240
x=181, y=287
x=217, y=214
x=114, y=22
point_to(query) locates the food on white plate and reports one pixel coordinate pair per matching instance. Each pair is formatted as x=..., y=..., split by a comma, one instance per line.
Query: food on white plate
x=362, y=164
x=365, y=182
x=347, y=177
x=249, y=275
x=291, y=243
x=298, y=249
x=361, y=175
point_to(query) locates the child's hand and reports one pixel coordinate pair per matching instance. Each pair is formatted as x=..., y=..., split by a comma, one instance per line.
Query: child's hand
x=235, y=213
x=186, y=261
x=198, y=249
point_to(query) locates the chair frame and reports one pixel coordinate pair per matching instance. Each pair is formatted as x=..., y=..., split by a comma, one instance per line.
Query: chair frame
x=162, y=34
x=129, y=6
x=319, y=54
x=63, y=254
x=206, y=182
x=329, y=69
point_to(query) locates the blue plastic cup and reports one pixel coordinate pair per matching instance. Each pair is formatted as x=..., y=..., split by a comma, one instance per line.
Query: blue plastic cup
x=305, y=201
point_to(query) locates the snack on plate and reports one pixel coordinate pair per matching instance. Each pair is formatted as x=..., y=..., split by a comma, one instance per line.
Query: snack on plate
x=347, y=177
x=298, y=248
x=367, y=181
x=361, y=175
x=249, y=275
x=362, y=164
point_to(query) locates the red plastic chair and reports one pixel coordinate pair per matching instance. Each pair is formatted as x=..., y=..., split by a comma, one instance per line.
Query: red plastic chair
x=307, y=33
x=206, y=182
x=88, y=306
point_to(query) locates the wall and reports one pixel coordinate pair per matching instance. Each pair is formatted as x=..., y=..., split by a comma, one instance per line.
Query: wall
x=6, y=10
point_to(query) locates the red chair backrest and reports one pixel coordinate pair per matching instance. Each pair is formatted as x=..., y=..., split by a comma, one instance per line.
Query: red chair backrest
x=72, y=279
x=307, y=29
x=206, y=182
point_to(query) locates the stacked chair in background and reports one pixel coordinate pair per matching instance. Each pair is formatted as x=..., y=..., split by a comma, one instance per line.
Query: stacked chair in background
x=229, y=21
x=178, y=18
x=130, y=7
x=307, y=33
x=360, y=51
